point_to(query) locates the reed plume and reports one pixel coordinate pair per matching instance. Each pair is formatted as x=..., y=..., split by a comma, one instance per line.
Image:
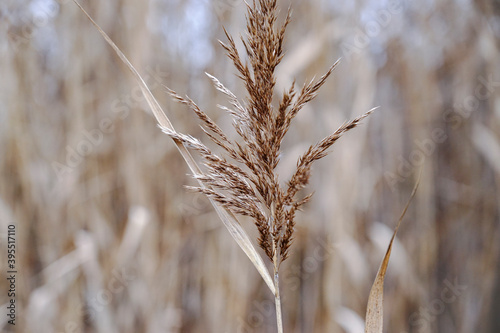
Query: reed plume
x=245, y=181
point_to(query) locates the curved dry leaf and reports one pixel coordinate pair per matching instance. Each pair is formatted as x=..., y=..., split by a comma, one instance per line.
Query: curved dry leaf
x=374, y=321
x=229, y=220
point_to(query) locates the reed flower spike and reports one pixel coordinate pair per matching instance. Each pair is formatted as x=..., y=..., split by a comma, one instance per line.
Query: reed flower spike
x=245, y=181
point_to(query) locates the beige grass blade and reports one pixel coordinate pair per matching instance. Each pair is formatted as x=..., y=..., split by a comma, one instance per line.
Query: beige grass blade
x=229, y=220
x=374, y=321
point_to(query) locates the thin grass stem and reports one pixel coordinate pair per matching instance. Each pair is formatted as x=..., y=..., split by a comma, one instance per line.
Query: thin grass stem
x=277, y=301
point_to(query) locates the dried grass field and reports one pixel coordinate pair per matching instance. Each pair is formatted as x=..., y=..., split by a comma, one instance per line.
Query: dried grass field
x=108, y=239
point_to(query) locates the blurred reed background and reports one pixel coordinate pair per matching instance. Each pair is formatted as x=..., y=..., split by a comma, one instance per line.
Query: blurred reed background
x=109, y=240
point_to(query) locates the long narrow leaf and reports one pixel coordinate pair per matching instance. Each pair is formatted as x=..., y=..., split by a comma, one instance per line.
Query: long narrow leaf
x=229, y=220
x=374, y=321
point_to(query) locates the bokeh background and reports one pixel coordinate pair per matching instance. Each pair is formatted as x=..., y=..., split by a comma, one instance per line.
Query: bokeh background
x=109, y=240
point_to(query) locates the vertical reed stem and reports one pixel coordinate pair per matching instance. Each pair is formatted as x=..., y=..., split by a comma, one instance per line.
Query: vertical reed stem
x=277, y=301
x=277, y=298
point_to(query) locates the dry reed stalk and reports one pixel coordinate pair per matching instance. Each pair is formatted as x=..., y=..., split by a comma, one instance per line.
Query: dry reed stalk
x=247, y=183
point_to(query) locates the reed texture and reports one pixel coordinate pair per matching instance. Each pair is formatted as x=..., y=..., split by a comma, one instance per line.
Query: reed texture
x=245, y=182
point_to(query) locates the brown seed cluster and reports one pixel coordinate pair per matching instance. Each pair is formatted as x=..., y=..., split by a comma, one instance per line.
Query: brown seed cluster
x=248, y=184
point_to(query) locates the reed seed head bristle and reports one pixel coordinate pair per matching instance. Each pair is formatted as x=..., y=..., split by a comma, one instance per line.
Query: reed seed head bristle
x=248, y=185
